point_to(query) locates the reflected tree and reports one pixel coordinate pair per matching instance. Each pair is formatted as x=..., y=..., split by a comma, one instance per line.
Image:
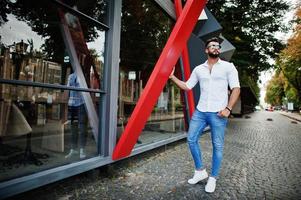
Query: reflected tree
x=4, y=10
x=46, y=23
x=289, y=61
x=43, y=19
x=144, y=32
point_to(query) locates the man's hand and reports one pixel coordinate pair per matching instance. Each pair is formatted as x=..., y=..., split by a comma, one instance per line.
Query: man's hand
x=179, y=83
x=224, y=113
x=172, y=73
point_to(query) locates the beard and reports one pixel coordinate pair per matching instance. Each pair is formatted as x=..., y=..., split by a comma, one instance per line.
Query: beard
x=213, y=55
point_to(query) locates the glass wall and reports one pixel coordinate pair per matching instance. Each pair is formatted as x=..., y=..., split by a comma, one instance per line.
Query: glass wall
x=36, y=38
x=145, y=29
x=95, y=9
x=39, y=130
x=51, y=74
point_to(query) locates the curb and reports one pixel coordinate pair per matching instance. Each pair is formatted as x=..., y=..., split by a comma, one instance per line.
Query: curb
x=291, y=117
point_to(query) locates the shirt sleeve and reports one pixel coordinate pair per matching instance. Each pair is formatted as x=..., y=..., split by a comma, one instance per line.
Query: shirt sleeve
x=192, y=81
x=232, y=77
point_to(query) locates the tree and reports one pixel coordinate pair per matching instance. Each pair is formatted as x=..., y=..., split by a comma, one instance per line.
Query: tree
x=275, y=90
x=279, y=91
x=250, y=25
x=289, y=60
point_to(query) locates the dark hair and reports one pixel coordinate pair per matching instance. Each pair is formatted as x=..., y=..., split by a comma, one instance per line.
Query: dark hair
x=214, y=39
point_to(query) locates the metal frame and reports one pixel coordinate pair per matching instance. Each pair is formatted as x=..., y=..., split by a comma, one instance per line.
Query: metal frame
x=112, y=79
x=168, y=7
x=79, y=13
x=25, y=183
x=48, y=85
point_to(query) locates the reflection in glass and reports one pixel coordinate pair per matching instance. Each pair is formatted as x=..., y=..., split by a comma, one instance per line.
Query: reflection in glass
x=93, y=8
x=145, y=29
x=42, y=130
x=33, y=44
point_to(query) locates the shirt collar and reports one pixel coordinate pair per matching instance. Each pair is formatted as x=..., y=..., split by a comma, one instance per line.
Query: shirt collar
x=206, y=63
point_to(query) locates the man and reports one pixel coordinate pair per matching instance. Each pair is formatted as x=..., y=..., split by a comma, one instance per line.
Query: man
x=213, y=108
x=77, y=112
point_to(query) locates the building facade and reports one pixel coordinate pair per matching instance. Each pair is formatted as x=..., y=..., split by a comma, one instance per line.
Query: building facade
x=71, y=73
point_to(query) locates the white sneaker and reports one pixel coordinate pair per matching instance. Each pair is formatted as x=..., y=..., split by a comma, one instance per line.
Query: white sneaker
x=82, y=154
x=210, y=186
x=198, y=176
x=71, y=153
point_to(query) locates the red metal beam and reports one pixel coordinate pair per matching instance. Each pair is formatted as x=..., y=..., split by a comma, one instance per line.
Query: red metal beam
x=167, y=60
x=186, y=63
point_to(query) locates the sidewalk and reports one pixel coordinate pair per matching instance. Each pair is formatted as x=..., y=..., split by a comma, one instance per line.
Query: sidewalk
x=294, y=116
x=261, y=161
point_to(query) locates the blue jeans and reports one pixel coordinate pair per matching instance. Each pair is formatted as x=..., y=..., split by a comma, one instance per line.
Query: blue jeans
x=197, y=125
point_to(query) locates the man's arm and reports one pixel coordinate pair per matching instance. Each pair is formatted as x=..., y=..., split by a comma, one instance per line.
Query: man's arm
x=233, y=98
x=178, y=82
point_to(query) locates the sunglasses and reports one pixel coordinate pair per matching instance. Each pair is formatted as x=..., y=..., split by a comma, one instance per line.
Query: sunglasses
x=214, y=46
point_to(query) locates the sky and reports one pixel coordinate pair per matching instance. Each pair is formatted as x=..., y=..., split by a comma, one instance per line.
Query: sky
x=267, y=75
x=15, y=30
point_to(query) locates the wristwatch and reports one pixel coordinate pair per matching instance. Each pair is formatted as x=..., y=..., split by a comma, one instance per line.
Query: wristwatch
x=228, y=108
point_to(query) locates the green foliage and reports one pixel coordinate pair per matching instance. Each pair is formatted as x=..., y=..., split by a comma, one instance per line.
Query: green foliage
x=289, y=62
x=250, y=25
x=292, y=71
x=275, y=90
x=292, y=95
x=279, y=91
x=246, y=80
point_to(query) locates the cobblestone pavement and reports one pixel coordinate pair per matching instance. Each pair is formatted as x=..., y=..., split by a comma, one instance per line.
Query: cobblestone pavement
x=261, y=161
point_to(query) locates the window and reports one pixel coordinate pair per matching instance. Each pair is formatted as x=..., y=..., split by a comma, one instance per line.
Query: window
x=145, y=29
x=51, y=74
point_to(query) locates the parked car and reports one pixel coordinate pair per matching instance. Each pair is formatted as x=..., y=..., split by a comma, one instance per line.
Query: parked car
x=270, y=108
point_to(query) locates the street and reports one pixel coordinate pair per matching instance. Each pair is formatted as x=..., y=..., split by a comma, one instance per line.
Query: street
x=261, y=161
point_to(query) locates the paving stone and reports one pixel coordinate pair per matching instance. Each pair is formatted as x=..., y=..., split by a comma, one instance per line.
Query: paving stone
x=261, y=161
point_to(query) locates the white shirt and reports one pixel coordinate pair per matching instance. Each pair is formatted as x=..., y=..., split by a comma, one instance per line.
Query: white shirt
x=214, y=85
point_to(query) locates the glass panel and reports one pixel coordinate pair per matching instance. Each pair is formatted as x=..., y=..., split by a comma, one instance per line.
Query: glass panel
x=145, y=30
x=93, y=8
x=41, y=129
x=167, y=118
x=36, y=42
